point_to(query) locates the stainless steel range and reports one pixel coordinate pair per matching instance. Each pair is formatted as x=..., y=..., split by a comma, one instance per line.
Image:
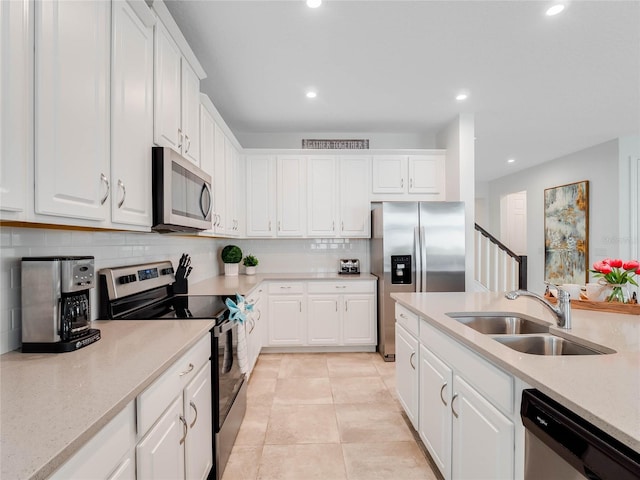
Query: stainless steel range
x=146, y=292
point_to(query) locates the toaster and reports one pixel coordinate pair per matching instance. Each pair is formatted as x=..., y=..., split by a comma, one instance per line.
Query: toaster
x=349, y=266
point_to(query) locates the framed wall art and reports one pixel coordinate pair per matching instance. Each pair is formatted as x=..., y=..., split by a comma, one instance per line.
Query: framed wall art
x=566, y=233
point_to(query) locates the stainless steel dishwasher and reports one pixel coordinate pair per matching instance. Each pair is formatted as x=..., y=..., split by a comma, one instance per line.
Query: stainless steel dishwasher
x=560, y=445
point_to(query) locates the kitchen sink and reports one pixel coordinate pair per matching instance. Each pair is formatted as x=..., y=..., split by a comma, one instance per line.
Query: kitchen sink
x=545, y=345
x=495, y=324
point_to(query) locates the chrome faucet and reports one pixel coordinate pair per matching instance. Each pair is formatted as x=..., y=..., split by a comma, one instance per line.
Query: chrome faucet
x=562, y=312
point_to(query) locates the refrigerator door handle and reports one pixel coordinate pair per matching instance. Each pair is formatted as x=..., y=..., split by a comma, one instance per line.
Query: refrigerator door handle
x=418, y=261
x=423, y=260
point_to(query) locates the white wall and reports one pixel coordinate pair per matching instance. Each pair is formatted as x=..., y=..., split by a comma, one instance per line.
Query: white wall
x=598, y=165
x=376, y=140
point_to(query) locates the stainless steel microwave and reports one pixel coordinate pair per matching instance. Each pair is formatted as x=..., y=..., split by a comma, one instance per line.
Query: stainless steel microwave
x=182, y=199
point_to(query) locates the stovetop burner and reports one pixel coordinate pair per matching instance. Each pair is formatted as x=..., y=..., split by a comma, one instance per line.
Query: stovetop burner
x=183, y=306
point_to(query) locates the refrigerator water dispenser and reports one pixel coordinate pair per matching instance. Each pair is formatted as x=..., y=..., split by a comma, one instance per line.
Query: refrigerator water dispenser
x=401, y=269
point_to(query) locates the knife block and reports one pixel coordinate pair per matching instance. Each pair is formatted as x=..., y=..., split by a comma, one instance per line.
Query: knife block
x=180, y=286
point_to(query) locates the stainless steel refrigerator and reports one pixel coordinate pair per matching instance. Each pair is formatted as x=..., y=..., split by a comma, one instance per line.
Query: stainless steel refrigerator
x=415, y=247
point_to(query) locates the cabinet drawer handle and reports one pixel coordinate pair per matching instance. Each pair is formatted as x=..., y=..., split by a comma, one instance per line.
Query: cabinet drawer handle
x=341, y=286
x=286, y=288
x=188, y=370
x=104, y=180
x=452, y=400
x=195, y=409
x=411, y=360
x=184, y=429
x=402, y=315
x=124, y=193
x=441, y=392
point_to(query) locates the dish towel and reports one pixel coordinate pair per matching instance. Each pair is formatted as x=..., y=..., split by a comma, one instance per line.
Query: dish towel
x=238, y=313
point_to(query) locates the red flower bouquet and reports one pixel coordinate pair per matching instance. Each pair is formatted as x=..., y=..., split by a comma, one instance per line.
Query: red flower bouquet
x=617, y=274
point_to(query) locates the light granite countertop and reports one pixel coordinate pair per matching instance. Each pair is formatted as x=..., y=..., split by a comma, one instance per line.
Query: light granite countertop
x=52, y=404
x=604, y=389
x=244, y=284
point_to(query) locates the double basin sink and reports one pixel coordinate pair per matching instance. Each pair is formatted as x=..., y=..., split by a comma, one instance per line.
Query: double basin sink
x=524, y=335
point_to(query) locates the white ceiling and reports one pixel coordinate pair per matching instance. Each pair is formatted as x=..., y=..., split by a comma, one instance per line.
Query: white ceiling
x=540, y=87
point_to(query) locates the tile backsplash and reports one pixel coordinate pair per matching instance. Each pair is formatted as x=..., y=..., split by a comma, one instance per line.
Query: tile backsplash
x=112, y=249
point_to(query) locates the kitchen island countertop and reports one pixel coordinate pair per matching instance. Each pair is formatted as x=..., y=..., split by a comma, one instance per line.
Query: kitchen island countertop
x=604, y=389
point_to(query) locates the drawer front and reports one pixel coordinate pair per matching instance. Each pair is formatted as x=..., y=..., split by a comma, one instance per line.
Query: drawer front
x=495, y=384
x=156, y=398
x=351, y=286
x=286, y=288
x=407, y=319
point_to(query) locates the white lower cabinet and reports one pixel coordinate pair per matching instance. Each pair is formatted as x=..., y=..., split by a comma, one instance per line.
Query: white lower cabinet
x=322, y=313
x=108, y=455
x=287, y=320
x=482, y=437
x=436, y=383
x=174, y=417
x=462, y=406
x=254, y=326
x=407, y=372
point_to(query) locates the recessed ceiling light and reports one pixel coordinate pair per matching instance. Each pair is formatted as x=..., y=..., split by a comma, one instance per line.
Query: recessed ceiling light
x=462, y=96
x=311, y=94
x=555, y=9
x=511, y=160
x=314, y=3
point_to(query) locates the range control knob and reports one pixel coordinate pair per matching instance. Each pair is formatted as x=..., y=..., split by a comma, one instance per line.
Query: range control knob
x=166, y=271
x=126, y=279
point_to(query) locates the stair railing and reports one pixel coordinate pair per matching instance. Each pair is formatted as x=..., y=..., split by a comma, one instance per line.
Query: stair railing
x=497, y=267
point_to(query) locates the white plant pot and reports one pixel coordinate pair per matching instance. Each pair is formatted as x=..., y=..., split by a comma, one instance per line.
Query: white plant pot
x=250, y=270
x=231, y=269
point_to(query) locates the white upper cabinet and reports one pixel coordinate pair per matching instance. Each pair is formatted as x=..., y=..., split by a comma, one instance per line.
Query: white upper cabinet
x=261, y=195
x=72, y=44
x=389, y=174
x=426, y=174
x=219, y=182
x=354, y=205
x=131, y=115
x=177, y=98
x=16, y=114
x=419, y=175
x=322, y=197
x=291, y=195
x=190, y=113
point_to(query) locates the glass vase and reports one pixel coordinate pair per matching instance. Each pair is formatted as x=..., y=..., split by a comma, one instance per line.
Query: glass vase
x=618, y=293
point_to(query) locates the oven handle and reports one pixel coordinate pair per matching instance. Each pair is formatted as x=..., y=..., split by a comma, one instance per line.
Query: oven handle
x=224, y=328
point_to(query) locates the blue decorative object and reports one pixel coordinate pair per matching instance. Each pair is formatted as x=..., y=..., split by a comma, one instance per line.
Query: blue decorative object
x=238, y=309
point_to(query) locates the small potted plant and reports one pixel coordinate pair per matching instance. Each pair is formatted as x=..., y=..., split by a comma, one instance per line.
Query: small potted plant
x=250, y=263
x=231, y=256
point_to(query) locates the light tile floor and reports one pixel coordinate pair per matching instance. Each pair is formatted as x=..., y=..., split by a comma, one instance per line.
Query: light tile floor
x=328, y=416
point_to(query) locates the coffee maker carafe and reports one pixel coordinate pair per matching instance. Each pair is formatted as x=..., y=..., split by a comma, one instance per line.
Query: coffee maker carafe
x=56, y=303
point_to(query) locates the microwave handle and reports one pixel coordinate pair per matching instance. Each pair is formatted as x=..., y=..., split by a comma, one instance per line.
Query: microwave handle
x=205, y=188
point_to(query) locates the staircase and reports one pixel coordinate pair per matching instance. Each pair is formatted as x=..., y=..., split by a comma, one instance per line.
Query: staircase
x=497, y=268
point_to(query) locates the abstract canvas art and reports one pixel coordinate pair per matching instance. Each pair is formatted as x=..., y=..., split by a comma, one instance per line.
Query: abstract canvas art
x=566, y=233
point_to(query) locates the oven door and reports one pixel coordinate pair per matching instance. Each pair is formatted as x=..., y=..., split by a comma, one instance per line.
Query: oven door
x=229, y=378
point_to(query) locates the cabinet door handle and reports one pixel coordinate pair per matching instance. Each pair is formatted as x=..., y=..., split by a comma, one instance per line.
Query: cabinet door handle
x=336, y=305
x=179, y=138
x=402, y=183
x=452, y=400
x=186, y=137
x=342, y=226
x=411, y=183
x=441, y=392
x=413, y=354
x=104, y=180
x=279, y=226
x=300, y=304
x=259, y=315
x=195, y=409
x=124, y=192
x=253, y=325
x=269, y=225
x=188, y=370
x=184, y=429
